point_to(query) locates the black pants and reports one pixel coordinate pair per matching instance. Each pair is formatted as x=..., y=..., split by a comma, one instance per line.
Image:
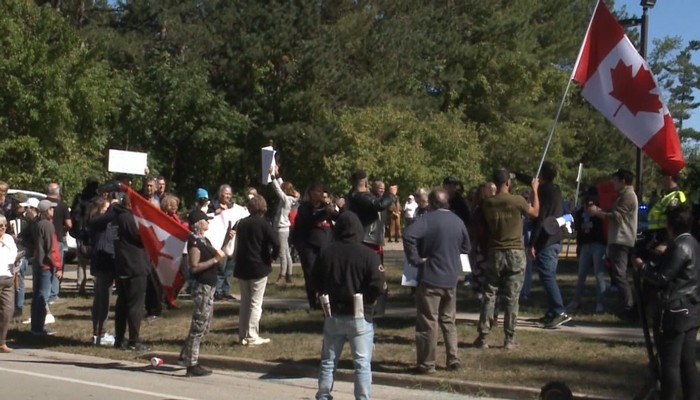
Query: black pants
x=154, y=294
x=131, y=294
x=308, y=255
x=678, y=370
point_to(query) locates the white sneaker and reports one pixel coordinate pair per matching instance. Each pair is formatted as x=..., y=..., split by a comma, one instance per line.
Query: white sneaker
x=50, y=319
x=107, y=340
x=255, y=342
x=27, y=321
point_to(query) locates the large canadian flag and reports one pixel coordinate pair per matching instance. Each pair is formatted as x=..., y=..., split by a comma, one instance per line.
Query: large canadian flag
x=617, y=82
x=163, y=238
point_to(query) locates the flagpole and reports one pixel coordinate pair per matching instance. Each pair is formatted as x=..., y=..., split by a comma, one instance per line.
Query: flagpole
x=554, y=125
x=578, y=184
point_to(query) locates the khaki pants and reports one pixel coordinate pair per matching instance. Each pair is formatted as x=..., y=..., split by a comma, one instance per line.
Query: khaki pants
x=435, y=306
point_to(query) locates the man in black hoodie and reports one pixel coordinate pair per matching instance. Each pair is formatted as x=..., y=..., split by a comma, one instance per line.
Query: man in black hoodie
x=352, y=277
x=131, y=268
x=544, y=248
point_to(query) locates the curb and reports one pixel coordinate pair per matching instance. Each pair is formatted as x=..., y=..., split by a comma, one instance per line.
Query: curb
x=296, y=369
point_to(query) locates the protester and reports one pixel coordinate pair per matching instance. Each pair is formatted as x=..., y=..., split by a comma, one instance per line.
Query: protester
x=622, y=234
x=203, y=260
x=285, y=193
x=344, y=271
x=225, y=268
x=23, y=239
x=8, y=256
x=79, y=213
x=433, y=243
x=170, y=204
x=368, y=205
x=590, y=249
x=100, y=230
x=5, y=201
x=131, y=269
x=504, y=272
x=677, y=276
x=46, y=265
x=62, y=223
x=457, y=203
x=312, y=232
x=160, y=188
x=257, y=245
x=544, y=248
x=148, y=191
x=409, y=209
x=393, y=212
x=479, y=237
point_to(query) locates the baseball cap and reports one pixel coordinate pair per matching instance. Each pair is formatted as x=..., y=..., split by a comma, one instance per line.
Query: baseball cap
x=196, y=216
x=19, y=197
x=449, y=180
x=202, y=193
x=44, y=205
x=32, y=202
x=622, y=173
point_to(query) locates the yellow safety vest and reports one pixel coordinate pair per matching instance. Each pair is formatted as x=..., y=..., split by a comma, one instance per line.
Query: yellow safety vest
x=657, y=214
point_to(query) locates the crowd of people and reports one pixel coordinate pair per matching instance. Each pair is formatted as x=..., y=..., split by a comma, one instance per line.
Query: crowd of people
x=340, y=243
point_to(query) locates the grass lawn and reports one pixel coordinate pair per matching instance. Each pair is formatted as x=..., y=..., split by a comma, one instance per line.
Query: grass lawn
x=588, y=365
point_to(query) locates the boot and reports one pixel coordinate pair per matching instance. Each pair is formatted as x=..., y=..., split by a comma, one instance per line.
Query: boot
x=197, y=370
x=288, y=279
x=280, y=280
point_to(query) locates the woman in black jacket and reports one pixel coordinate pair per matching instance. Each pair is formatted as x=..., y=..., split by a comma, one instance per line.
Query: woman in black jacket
x=100, y=215
x=678, y=279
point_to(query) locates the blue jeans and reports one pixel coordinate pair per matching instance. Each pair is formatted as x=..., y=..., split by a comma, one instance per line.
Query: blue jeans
x=55, y=282
x=225, y=273
x=41, y=288
x=21, y=288
x=360, y=334
x=546, y=262
x=591, y=254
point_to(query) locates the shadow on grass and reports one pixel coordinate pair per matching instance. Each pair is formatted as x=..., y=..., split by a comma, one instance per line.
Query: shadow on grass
x=105, y=366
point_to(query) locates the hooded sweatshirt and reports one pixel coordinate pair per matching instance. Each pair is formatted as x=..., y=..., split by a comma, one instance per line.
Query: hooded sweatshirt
x=130, y=258
x=346, y=267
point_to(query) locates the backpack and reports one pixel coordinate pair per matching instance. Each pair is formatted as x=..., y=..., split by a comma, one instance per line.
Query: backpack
x=78, y=215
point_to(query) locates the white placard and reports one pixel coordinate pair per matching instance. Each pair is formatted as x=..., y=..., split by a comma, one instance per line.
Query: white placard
x=268, y=160
x=217, y=226
x=410, y=275
x=128, y=162
x=466, y=264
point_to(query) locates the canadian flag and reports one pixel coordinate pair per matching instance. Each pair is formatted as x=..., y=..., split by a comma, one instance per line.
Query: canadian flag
x=617, y=81
x=163, y=238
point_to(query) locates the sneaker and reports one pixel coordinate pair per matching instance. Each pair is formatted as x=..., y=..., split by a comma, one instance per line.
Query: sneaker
x=481, y=342
x=288, y=279
x=107, y=340
x=151, y=318
x=27, y=321
x=45, y=332
x=455, y=366
x=574, y=305
x=255, y=342
x=280, y=280
x=558, y=321
x=599, y=309
x=510, y=344
x=228, y=296
x=197, y=370
x=424, y=371
x=50, y=319
x=55, y=300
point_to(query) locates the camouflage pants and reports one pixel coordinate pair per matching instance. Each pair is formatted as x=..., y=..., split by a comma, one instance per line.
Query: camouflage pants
x=503, y=276
x=201, y=321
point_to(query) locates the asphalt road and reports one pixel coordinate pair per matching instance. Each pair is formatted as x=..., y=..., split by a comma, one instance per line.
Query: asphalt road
x=40, y=374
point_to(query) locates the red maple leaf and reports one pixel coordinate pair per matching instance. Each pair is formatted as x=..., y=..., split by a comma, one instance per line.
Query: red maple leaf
x=151, y=242
x=634, y=91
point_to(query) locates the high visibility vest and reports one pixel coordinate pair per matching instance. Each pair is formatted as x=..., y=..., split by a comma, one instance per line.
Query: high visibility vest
x=657, y=214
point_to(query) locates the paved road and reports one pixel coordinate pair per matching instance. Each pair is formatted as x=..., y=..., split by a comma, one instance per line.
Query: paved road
x=42, y=375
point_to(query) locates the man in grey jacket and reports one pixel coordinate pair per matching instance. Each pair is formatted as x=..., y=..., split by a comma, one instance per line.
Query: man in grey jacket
x=622, y=234
x=433, y=243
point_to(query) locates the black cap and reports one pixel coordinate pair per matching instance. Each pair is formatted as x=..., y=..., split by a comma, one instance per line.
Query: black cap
x=196, y=216
x=450, y=180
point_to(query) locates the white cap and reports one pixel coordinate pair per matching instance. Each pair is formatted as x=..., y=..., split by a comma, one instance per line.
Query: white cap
x=31, y=202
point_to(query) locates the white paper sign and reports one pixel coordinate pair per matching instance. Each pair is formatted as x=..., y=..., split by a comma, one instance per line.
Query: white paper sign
x=217, y=226
x=128, y=162
x=268, y=160
x=410, y=275
x=466, y=264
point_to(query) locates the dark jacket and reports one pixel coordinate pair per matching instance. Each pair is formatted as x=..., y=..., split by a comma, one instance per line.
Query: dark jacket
x=440, y=236
x=312, y=226
x=367, y=206
x=459, y=206
x=551, y=205
x=678, y=273
x=130, y=258
x=589, y=229
x=257, y=244
x=45, y=245
x=346, y=267
x=101, y=234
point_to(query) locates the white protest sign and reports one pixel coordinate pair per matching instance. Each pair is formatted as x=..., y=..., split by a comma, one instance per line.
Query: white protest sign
x=128, y=162
x=217, y=226
x=268, y=160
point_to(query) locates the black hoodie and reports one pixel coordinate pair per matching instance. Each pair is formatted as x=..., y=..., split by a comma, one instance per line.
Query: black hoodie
x=130, y=258
x=346, y=267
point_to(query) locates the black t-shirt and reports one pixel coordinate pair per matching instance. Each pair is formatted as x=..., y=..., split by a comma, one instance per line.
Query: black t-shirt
x=60, y=215
x=206, y=253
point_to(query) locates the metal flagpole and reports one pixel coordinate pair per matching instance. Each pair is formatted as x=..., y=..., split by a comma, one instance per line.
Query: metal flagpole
x=554, y=125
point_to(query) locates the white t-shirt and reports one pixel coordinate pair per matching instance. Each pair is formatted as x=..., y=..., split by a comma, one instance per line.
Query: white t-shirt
x=8, y=253
x=409, y=209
